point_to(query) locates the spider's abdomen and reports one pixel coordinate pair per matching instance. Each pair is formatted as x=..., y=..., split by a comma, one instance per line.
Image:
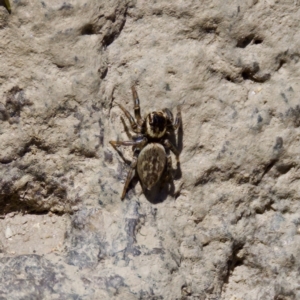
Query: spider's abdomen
x=151, y=163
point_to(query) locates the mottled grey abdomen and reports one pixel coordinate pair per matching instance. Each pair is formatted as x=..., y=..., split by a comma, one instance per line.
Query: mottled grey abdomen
x=151, y=163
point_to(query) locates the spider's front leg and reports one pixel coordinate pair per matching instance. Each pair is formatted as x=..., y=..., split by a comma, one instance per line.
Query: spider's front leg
x=137, y=109
x=128, y=133
x=135, y=127
x=174, y=124
x=177, y=121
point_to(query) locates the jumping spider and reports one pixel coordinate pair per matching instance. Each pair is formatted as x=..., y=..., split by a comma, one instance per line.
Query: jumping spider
x=149, y=144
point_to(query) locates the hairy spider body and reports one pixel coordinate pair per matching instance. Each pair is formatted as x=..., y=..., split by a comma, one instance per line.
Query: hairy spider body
x=150, y=143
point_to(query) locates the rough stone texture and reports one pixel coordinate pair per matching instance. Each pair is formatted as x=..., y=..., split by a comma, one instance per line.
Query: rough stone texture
x=229, y=228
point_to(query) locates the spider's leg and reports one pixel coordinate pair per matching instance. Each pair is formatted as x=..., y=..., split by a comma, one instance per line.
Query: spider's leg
x=130, y=173
x=138, y=143
x=170, y=146
x=177, y=121
x=169, y=115
x=136, y=102
x=135, y=127
x=129, y=135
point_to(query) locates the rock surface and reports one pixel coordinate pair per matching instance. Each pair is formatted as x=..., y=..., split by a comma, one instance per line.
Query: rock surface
x=229, y=227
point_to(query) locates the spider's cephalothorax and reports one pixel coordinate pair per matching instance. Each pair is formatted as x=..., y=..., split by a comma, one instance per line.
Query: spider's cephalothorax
x=149, y=144
x=156, y=124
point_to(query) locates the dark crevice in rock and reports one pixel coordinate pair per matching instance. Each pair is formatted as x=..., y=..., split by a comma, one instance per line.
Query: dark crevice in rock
x=248, y=74
x=59, y=66
x=216, y=174
x=285, y=168
x=85, y=152
x=264, y=208
x=112, y=36
x=249, y=39
x=88, y=29
x=266, y=169
x=186, y=291
x=103, y=74
x=4, y=116
x=15, y=204
x=228, y=78
x=257, y=41
x=280, y=64
x=38, y=196
x=282, y=58
x=234, y=261
x=245, y=41
x=34, y=142
x=269, y=166
x=47, y=212
x=210, y=29
x=112, y=17
x=6, y=160
x=210, y=25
